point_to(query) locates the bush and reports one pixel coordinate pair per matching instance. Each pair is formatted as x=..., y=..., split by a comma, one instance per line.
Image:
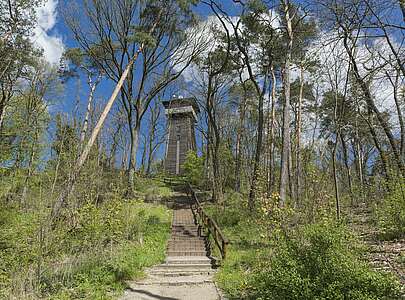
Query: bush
x=194, y=168
x=311, y=262
x=390, y=214
x=319, y=262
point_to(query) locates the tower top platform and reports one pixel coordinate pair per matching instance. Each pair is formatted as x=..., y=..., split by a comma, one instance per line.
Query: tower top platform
x=172, y=105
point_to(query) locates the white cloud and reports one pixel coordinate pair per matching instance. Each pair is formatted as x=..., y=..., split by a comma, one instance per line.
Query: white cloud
x=51, y=43
x=206, y=31
x=371, y=62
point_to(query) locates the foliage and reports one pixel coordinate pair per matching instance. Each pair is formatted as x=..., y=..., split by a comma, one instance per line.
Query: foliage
x=194, y=168
x=317, y=261
x=390, y=213
x=103, y=246
x=313, y=261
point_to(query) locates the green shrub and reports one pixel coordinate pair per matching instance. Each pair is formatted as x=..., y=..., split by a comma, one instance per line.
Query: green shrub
x=312, y=262
x=194, y=168
x=390, y=214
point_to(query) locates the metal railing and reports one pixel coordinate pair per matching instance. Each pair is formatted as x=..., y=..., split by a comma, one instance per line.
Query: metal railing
x=208, y=223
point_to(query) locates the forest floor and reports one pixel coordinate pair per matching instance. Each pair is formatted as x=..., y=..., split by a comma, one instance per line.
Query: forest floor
x=385, y=255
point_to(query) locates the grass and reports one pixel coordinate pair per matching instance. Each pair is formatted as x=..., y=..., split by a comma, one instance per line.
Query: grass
x=89, y=256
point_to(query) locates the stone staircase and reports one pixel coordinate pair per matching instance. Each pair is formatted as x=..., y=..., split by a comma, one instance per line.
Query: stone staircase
x=186, y=253
x=187, y=271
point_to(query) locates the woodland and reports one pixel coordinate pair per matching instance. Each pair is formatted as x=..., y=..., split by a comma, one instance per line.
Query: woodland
x=300, y=144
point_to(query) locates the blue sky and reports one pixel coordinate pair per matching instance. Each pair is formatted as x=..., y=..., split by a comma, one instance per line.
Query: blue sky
x=53, y=36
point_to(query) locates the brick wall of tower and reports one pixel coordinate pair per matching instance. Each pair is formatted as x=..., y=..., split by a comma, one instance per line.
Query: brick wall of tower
x=181, y=128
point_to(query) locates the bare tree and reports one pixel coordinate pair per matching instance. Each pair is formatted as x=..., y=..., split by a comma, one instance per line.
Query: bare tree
x=109, y=40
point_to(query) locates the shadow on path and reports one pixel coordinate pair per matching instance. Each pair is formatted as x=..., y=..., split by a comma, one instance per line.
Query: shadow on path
x=151, y=294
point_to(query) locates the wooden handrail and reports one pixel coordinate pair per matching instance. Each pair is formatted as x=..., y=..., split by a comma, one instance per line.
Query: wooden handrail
x=208, y=223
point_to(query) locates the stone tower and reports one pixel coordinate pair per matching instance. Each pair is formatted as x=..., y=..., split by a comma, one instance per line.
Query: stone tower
x=182, y=115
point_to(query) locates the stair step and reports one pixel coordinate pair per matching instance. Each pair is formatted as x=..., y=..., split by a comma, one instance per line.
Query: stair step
x=173, y=249
x=187, y=249
x=184, y=229
x=186, y=253
x=184, y=239
x=188, y=260
x=185, y=242
x=185, y=266
x=180, y=273
x=174, y=281
x=186, y=246
x=185, y=233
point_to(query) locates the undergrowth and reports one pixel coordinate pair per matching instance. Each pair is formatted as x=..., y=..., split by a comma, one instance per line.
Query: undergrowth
x=89, y=255
x=271, y=257
x=390, y=213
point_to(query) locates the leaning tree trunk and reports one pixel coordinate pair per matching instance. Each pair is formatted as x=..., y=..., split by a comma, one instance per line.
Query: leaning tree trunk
x=371, y=105
x=85, y=126
x=85, y=153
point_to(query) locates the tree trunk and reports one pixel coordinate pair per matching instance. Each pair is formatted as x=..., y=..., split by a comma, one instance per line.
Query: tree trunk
x=273, y=120
x=258, y=152
x=143, y=157
x=134, y=133
x=335, y=179
x=298, y=137
x=215, y=142
x=242, y=110
x=346, y=161
x=359, y=156
x=400, y=115
x=285, y=153
x=218, y=192
x=237, y=161
x=291, y=181
x=83, y=132
x=383, y=157
x=2, y=114
x=30, y=169
x=113, y=152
